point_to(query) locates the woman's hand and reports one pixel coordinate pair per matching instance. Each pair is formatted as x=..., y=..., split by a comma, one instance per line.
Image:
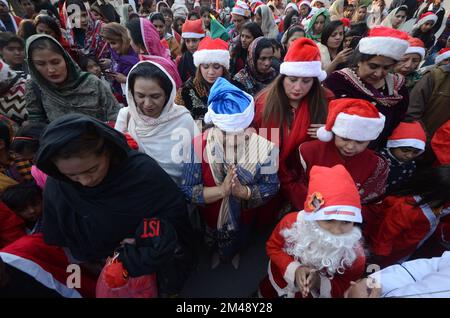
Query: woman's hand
x=119, y=77
x=226, y=186
x=238, y=190
x=306, y=279
x=312, y=130
x=104, y=64
x=343, y=56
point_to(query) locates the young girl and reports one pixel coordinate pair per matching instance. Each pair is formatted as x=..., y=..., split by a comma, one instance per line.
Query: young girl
x=192, y=34
x=157, y=19
x=423, y=29
x=353, y=123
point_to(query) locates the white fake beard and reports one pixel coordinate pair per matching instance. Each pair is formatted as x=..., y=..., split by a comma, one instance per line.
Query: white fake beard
x=315, y=247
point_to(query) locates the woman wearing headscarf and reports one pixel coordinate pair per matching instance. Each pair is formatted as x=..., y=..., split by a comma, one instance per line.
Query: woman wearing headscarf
x=8, y=22
x=154, y=120
x=231, y=172
x=258, y=72
x=145, y=41
x=316, y=25
x=264, y=18
x=99, y=191
x=58, y=86
x=396, y=18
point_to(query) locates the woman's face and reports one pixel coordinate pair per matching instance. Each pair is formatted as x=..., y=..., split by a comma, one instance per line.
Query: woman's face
x=349, y=147
x=192, y=44
x=349, y=11
x=206, y=19
x=264, y=62
x=115, y=45
x=211, y=72
x=246, y=38
x=89, y=170
x=336, y=38
x=427, y=26
x=84, y=20
x=178, y=25
x=149, y=97
x=304, y=10
x=160, y=27
x=347, y=41
x=319, y=24
x=238, y=21
x=318, y=4
x=408, y=64
x=398, y=19
x=375, y=69
x=295, y=36
x=297, y=87
x=169, y=20
x=50, y=65
x=43, y=28
x=258, y=19
x=28, y=7
x=361, y=14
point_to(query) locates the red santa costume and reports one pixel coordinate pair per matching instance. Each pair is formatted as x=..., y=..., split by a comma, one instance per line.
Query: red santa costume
x=298, y=240
x=46, y=264
x=396, y=228
x=348, y=118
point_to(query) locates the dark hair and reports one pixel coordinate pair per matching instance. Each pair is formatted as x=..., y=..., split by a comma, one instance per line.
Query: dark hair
x=403, y=8
x=288, y=19
x=108, y=12
x=264, y=43
x=50, y=22
x=27, y=137
x=5, y=134
x=90, y=142
x=26, y=29
x=205, y=9
x=291, y=31
x=431, y=184
x=166, y=11
x=361, y=28
x=328, y=30
x=44, y=43
x=134, y=26
x=84, y=61
x=18, y=197
x=133, y=16
x=151, y=72
x=157, y=16
x=8, y=37
x=193, y=14
x=275, y=44
x=277, y=107
x=253, y=28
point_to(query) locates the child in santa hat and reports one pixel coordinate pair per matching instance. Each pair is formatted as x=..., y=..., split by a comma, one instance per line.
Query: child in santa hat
x=443, y=57
x=423, y=29
x=317, y=252
x=397, y=227
x=406, y=143
x=351, y=125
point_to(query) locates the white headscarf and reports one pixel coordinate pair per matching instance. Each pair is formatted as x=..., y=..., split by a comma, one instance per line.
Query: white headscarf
x=268, y=25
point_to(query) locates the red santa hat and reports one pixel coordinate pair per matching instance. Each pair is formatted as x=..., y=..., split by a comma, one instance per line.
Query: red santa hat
x=442, y=55
x=303, y=60
x=440, y=143
x=241, y=8
x=304, y=2
x=332, y=195
x=416, y=46
x=408, y=135
x=424, y=18
x=386, y=42
x=326, y=3
x=212, y=51
x=193, y=29
x=255, y=4
x=352, y=118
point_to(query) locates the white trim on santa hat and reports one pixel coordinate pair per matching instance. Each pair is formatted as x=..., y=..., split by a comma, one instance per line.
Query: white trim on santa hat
x=326, y=3
x=241, y=11
x=416, y=50
x=232, y=122
x=291, y=5
x=387, y=46
x=407, y=142
x=221, y=57
x=442, y=57
x=38, y=273
x=335, y=212
x=192, y=35
x=429, y=17
x=359, y=128
x=303, y=69
x=304, y=2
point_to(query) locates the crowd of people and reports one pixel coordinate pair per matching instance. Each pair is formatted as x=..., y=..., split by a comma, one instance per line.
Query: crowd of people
x=129, y=127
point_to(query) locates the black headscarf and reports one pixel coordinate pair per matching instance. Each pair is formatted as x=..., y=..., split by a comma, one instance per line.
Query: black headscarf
x=92, y=221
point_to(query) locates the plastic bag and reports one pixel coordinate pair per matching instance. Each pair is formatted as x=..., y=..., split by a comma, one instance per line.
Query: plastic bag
x=114, y=282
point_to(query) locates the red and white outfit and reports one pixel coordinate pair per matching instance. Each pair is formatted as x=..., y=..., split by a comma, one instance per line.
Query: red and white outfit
x=442, y=55
x=332, y=196
x=349, y=118
x=47, y=264
x=396, y=228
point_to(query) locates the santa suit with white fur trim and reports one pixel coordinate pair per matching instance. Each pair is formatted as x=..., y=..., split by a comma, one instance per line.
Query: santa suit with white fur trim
x=340, y=201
